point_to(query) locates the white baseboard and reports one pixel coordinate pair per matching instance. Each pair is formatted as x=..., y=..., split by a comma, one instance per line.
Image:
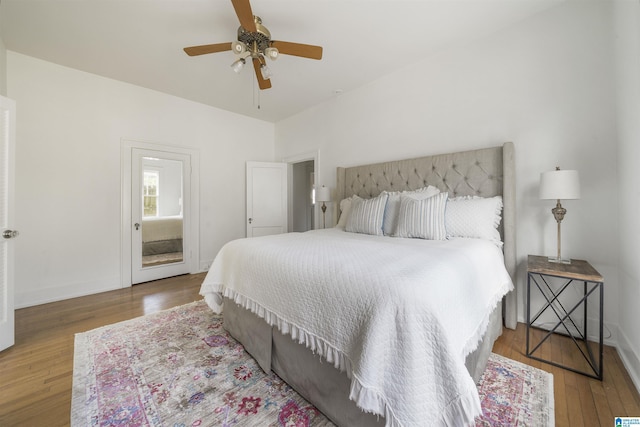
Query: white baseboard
x=630, y=359
x=610, y=331
x=59, y=293
x=614, y=338
x=204, y=265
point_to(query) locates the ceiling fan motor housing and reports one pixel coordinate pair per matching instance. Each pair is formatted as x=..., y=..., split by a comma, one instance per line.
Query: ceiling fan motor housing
x=261, y=39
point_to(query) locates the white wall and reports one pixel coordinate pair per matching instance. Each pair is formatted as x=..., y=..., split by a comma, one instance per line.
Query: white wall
x=546, y=84
x=69, y=130
x=3, y=67
x=627, y=48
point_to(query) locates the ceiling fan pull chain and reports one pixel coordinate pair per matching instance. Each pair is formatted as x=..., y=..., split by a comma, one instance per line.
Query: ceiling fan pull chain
x=256, y=94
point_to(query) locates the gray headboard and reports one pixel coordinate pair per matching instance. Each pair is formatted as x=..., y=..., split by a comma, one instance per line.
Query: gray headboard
x=485, y=172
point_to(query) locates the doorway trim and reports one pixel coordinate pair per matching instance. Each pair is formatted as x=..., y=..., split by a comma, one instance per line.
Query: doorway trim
x=7, y=286
x=126, y=152
x=300, y=158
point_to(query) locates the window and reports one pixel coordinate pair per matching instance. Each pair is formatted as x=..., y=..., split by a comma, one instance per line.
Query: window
x=150, y=196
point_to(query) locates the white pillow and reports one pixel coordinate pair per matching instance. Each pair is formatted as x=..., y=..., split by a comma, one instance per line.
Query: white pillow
x=423, y=219
x=475, y=217
x=392, y=208
x=345, y=207
x=366, y=215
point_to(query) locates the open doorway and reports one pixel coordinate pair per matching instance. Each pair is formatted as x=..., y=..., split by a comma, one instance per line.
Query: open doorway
x=302, y=196
x=302, y=177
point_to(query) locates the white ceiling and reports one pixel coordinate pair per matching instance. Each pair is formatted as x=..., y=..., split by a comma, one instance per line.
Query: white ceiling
x=141, y=41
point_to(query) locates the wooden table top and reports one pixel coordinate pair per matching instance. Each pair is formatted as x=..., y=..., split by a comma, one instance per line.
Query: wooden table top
x=578, y=269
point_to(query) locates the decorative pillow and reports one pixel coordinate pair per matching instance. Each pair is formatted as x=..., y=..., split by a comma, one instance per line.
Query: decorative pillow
x=366, y=215
x=423, y=219
x=392, y=208
x=475, y=217
x=345, y=207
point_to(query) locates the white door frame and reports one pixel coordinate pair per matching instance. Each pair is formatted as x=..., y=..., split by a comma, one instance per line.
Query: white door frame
x=127, y=147
x=299, y=158
x=7, y=287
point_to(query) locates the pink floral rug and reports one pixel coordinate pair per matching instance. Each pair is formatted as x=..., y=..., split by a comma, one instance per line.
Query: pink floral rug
x=515, y=394
x=180, y=368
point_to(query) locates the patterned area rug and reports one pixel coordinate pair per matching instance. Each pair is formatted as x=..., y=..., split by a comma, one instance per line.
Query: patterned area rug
x=515, y=394
x=180, y=368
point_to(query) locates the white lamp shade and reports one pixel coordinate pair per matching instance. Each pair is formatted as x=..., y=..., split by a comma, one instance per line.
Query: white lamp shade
x=271, y=53
x=238, y=47
x=560, y=184
x=238, y=65
x=266, y=72
x=323, y=194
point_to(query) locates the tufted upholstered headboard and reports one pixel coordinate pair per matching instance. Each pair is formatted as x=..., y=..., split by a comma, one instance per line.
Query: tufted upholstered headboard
x=485, y=172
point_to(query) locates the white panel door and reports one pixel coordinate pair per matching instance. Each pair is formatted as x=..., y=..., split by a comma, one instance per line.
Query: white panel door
x=160, y=215
x=7, y=145
x=266, y=198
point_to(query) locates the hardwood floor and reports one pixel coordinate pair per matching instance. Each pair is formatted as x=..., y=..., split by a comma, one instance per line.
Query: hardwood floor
x=36, y=373
x=579, y=400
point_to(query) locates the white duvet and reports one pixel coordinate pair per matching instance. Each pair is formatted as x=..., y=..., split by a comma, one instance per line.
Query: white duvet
x=398, y=315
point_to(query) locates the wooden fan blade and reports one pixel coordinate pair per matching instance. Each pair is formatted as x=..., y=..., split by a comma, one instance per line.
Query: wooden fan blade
x=298, y=49
x=262, y=83
x=207, y=48
x=245, y=15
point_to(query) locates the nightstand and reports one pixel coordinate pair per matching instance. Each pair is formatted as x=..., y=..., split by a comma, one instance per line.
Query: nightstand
x=580, y=274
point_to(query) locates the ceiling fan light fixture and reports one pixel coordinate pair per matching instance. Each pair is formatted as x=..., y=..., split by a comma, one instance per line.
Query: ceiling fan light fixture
x=271, y=53
x=254, y=43
x=238, y=65
x=238, y=47
x=266, y=72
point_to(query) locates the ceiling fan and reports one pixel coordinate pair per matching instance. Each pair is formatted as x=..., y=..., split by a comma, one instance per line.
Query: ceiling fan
x=254, y=41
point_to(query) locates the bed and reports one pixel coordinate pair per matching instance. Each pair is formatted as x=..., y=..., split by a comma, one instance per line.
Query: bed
x=161, y=240
x=334, y=312
x=161, y=235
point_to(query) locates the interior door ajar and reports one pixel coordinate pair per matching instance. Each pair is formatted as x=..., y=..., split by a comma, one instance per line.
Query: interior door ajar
x=160, y=215
x=266, y=198
x=7, y=145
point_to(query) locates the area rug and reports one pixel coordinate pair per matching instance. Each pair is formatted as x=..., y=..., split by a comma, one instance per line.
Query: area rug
x=515, y=394
x=180, y=368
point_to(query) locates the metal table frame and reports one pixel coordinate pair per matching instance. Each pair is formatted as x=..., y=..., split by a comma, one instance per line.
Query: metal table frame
x=564, y=315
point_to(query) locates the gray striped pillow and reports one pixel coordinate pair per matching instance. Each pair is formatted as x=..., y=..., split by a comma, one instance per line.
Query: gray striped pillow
x=366, y=215
x=423, y=219
x=390, y=222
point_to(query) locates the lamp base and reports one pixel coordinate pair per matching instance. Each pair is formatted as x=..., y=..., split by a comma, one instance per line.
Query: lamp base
x=559, y=260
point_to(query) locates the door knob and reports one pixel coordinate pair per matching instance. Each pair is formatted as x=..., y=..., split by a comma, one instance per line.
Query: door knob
x=137, y=225
x=250, y=220
x=10, y=234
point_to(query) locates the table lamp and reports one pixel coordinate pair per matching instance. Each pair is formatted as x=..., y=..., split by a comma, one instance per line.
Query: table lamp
x=323, y=195
x=559, y=185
